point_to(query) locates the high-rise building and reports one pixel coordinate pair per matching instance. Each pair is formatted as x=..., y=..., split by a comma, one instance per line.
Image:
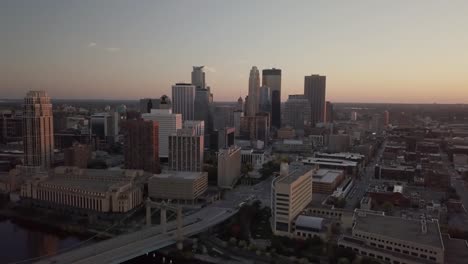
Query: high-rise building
x=272, y=79
x=222, y=138
x=203, y=107
x=386, y=118
x=186, y=150
x=169, y=123
x=297, y=112
x=198, y=77
x=229, y=166
x=314, y=90
x=254, y=92
x=265, y=99
x=198, y=126
x=224, y=116
x=354, y=116
x=238, y=114
x=38, y=127
x=147, y=104
x=11, y=127
x=141, y=144
x=291, y=193
x=254, y=128
x=183, y=100
x=240, y=104
x=102, y=125
x=328, y=112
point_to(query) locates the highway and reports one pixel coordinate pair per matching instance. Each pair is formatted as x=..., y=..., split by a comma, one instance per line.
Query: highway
x=126, y=247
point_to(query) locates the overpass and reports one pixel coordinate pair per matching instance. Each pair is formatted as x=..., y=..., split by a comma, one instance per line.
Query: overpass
x=129, y=246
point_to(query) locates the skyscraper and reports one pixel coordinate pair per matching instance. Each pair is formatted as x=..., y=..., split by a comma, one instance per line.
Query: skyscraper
x=314, y=90
x=265, y=99
x=329, y=112
x=198, y=77
x=183, y=100
x=297, y=112
x=38, y=135
x=141, y=145
x=169, y=123
x=254, y=92
x=272, y=79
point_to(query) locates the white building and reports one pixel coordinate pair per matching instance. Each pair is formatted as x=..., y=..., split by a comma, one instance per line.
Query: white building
x=254, y=92
x=183, y=100
x=255, y=157
x=38, y=130
x=229, y=166
x=291, y=193
x=169, y=123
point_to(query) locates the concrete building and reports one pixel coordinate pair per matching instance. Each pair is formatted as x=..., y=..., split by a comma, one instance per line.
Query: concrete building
x=147, y=104
x=85, y=190
x=169, y=123
x=229, y=166
x=272, y=78
x=314, y=90
x=326, y=181
x=102, y=126
x=11, y=127
x=254, y=128
x=203, y=106
x=186, y=150
x=224, y=116
x=77, y=155
x=349, y=167
x=338, y=143
x=386, y=118
x=183, y=100
x=252, y=105
x=237, y=121
x=286, y=132
x=38, y=130
x=255, y=157
x=329, y=116
x=141, y=145
x=310, y=226
x=178, y=186
x=395, y=240
x=297, y=112
x=196, y=125
x=222, y=138
x=291, y=193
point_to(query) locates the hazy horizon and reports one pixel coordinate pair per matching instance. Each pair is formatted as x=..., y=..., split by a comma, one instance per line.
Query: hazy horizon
x=385, y=52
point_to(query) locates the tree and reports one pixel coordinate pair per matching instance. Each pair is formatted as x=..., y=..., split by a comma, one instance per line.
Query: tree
x=387, y=207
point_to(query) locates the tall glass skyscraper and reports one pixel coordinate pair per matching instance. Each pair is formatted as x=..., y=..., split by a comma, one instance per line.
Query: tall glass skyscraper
x=272, y=79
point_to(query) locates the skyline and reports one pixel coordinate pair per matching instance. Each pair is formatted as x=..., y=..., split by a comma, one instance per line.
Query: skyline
x=394, y=52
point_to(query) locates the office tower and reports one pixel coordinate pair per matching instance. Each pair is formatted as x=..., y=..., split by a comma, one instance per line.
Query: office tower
x=38, y=135
x=254, y=92
x=169, y=123
x=291, y=193
x=198, y=77
x=386, y=118
x=272, y=79
x=77, y=155
x=265, y=99
x=240, y=104
x=314, y=90
x=224, y=116
x=141, y=145
x=102, y=125
x=229, y=166
x=183, y=100
x=186, y=150
x=198, y=126
x=376, y=123
x=254, y=128
x=328, y=112
x=238, y=114
x=222, y=138
x=147, y=104
x=354, y=116
x=11, y=127
x=297, y=112
x=203, y=107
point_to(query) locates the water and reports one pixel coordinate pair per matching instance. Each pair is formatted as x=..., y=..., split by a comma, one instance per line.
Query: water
x=19, y=242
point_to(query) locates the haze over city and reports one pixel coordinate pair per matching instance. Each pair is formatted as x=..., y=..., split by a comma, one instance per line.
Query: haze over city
x=395, y=51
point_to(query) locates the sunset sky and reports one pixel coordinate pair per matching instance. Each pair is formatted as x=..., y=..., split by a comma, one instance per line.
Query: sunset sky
x=370, y=51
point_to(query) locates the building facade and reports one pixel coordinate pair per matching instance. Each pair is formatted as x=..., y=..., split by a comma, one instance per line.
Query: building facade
x=77, y=155
x=229, y=166
x=272, y=79
x=314, y=90
x=141, y=145
x=265, y=99
x=178, y=186
x=183, y=100
x=169, y=123
x=38, y=130
x=252, y=104
x=186, y=150
x=297, y=112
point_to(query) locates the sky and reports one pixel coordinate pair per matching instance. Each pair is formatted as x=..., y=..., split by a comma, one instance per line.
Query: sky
x=371, y=51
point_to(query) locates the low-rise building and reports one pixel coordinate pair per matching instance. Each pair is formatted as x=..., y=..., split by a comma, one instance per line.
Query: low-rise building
x=78, y=190
x=326, y=181
x=255, y=157
x=349, y=167
x=395, y=240
x=181, y=186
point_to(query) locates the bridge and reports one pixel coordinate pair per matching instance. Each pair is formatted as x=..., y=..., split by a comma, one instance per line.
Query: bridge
x=129, y=246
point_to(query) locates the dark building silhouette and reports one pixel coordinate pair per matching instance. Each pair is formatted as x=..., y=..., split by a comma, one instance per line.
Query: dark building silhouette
x=272, y=79
x=314, y=90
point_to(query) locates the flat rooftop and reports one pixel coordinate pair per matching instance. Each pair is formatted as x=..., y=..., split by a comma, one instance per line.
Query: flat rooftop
x=295, y=171
x=344, y=155
x=83, y=184
x=326, y=176
x=334, y=162
x=399, y=228
x=181, y=175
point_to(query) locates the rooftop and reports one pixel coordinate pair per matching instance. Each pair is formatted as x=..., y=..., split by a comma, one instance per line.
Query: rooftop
x=344, y=155
x=83, y=184
x=180, y=175
x=295, y=171
x=326, y=176
x=309, y=221
x=399, y=228
x=334, y=162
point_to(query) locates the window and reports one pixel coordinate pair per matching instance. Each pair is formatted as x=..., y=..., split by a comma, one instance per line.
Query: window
x=432, y=258
x=414, y=254
x=406, y=252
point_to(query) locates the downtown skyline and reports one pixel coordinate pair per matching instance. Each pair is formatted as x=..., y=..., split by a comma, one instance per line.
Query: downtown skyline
x=395, y=52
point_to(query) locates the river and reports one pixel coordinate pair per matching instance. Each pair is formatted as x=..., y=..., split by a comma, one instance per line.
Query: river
x=19, y=241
